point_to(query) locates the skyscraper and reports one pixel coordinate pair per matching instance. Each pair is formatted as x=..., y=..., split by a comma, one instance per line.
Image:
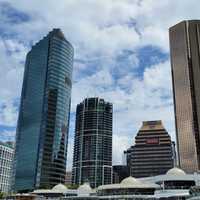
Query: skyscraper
x=92, y=160
x=152, y=153
x=43, y=122
x=185, y=62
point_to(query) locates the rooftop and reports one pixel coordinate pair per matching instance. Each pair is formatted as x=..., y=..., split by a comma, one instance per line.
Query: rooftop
x=152, y=125
x=60, y=188
x=129, y=182
x=8, y=144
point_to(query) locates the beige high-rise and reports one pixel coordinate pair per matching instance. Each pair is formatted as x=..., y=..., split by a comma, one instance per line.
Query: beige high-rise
x=185, y=62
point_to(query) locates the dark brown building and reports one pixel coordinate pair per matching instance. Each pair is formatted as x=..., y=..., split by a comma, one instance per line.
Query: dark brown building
x=185, y=62
x=120, y=172
x=152, y=153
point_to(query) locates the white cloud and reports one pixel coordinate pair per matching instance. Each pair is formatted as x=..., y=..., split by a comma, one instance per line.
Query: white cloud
x=120, y=144
x=7, y=135
x=100, y=31
x=158, y=77
x=70, y=152
x=91, y=86
x=11, y=54
x=8, y=114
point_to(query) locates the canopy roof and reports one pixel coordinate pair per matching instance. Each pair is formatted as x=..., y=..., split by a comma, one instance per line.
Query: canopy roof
x=129, y=182
x=176, y=172
x=84, y=190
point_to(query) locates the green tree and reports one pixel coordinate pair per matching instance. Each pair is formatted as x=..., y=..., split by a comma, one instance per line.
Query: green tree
x=1, y=195
x=69, y=186
x=46, y=186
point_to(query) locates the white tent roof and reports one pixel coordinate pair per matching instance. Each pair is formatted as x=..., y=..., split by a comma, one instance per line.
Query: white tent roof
x=129, y=182
x=60, y=188
x=176, y=172
x=84, y=190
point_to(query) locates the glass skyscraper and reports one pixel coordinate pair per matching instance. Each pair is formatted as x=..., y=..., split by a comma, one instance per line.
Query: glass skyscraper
x=185, y=62
x=43, y=122
x=92, y=160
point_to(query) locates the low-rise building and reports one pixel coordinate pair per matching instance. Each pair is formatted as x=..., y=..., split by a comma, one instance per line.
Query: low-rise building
x=175, y=184
x=6, y=161
x=57, y=191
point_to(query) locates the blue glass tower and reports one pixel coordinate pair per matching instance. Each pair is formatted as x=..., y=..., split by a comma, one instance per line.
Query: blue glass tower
x=42, y=129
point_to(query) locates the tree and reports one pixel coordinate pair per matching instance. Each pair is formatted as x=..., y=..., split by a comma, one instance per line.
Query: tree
x=69, y=186
x=1, y=195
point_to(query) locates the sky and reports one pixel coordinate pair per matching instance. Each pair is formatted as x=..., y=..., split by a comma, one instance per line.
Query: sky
x=121, y=55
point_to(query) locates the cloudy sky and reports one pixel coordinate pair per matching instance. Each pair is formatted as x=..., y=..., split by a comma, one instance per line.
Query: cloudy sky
x=121, y=54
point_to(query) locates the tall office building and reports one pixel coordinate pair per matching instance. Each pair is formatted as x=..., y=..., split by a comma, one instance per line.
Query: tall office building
x=92, y=160
x=152, y=153
x=42, y=129
x=185, y=62
x=6, y=161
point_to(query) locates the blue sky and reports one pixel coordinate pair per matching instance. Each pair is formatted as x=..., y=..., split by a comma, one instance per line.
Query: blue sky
x=121, y=54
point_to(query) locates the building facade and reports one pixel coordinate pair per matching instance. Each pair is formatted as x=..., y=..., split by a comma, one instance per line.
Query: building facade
x=185, y=62
x=43, y=122
x=152, y=153
x=174, y=185
x=92, y=160
x=6, y=161
x=120, y=172
x=68, y=178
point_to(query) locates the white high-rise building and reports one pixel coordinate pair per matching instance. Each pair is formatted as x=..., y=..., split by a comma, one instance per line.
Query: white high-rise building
x=6, y=160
